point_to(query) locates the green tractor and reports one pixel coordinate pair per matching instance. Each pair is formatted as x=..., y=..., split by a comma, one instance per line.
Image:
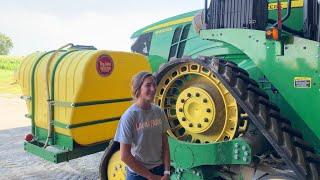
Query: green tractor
x=239, y=82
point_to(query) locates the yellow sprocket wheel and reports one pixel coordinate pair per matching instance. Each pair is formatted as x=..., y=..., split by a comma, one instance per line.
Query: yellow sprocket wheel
x=199, y=108
x=116, y=168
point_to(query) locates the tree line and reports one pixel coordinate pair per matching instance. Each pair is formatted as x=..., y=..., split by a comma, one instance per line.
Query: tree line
x=6, y=44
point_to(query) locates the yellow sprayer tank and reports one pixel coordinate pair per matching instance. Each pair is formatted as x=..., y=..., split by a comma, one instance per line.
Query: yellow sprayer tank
x=89, y=90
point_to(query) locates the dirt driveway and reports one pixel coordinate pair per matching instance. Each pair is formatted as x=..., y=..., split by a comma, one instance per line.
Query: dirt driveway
x=12, y=110
x=15, y=163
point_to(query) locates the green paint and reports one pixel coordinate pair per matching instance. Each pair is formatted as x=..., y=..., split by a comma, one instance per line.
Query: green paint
x=189, y=155
x=197, y=161
x=56, y=154
x=34, y=67
x=55, y=67
x=295, y=21
x=141, y=31
x=300, y=59
x=89, y=103
x=60, y=139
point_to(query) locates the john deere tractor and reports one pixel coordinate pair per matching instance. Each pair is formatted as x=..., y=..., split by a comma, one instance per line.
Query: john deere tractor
x=239, y=82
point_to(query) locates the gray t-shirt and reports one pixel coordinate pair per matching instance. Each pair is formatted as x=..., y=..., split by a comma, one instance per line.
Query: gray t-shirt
x=143, y=129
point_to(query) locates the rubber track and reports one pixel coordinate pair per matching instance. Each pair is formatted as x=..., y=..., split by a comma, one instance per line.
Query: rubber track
x=287, y=142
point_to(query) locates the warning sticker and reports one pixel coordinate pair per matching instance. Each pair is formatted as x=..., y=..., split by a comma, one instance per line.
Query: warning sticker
x=302, y=82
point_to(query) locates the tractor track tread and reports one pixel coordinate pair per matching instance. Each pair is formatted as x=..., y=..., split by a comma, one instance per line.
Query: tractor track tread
x=247, y=79
x=280, y=135
x=302, y=144
x=277, y=116
x=271, y=105
x=286, y=141
x=290, y=130
x=258, y=91
x=313, y=157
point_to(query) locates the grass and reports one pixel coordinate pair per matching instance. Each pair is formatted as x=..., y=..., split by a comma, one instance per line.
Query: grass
x=10, y=62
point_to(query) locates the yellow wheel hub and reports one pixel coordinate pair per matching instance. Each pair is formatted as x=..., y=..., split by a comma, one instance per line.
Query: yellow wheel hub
x=195, y=110
x=199, y=108
x=116, y=168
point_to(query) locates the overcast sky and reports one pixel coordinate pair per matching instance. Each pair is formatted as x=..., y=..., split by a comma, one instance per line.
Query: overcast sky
x=36, y=25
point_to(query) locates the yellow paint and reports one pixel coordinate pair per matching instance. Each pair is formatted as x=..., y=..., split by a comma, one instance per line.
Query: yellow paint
x=194, y=110
x=116, y=168
x=222, y=122
x=77, y=80
x=284, y=5
x=163, y=30
x=170, y=23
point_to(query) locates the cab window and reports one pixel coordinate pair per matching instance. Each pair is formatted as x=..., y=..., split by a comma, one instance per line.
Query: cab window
x=142, y=44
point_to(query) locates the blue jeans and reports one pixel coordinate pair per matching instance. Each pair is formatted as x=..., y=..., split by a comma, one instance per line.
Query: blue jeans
x=134, y=176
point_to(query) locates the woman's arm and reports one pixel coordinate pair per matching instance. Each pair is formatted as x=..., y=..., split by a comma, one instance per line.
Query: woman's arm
x=166, y=152
x=129, y=160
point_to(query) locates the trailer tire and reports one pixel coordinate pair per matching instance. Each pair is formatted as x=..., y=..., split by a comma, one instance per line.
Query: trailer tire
x=112, y=148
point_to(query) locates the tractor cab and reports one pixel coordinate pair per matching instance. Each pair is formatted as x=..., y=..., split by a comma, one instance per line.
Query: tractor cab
x=253, y=14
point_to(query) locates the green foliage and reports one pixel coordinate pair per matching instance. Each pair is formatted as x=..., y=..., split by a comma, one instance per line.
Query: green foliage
x=9, y=62
x=5, y=44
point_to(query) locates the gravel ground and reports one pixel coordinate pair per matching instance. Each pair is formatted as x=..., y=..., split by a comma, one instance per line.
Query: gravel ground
x=15, y=163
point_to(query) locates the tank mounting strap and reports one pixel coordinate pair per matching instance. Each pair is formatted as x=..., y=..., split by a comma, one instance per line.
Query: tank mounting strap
x=89, y=103
x=89, y=123
x=34, y=67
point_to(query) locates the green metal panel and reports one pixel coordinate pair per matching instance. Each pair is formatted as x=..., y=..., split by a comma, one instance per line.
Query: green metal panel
x=181, y=16
x=56, y=154
x=189, y=155
x=197, y=173
x=202, y=173
x=298, y=57
x=63, y=141
x=159, y=49
x=295, y=21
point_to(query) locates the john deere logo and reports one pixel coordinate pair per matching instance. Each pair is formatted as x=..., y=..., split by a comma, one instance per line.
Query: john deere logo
x=104, y=65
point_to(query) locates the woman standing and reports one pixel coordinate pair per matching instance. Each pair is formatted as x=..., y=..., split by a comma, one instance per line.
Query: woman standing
x=141, y=133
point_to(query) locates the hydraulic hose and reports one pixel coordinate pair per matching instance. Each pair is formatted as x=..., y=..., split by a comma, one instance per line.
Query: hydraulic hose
x=286, y=16
x=49, y=98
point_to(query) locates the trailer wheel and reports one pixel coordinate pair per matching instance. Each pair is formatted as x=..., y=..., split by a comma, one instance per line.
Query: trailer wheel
x=111, y=167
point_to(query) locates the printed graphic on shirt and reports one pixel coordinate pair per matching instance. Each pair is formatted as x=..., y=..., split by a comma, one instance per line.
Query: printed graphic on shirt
x=148, y=124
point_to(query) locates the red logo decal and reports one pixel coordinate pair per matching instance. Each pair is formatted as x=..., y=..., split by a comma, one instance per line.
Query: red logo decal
x=104, y=65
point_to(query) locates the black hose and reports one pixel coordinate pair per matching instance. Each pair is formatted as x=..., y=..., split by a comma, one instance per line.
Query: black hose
x=205, y=12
